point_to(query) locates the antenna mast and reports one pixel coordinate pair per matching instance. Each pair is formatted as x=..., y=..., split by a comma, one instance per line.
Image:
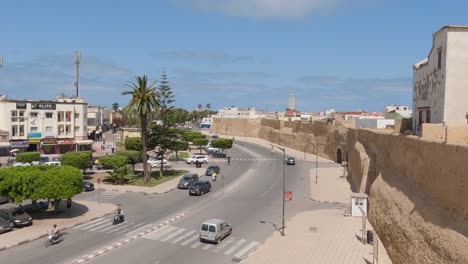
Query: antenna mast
x=1, y=61
x=77, y=74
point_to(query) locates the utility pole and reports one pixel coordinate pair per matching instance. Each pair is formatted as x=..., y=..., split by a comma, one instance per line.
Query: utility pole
x=77, y=74
x=316, y=159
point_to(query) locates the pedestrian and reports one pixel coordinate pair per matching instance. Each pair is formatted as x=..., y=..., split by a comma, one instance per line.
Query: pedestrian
x=69, y=204
x=229, y=160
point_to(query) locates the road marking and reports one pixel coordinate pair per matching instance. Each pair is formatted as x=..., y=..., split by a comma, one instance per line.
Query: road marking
x=207, y=246
x=176, y=233
x=158, y=235
x=120, y=227
x=89, y=223
x=224, y=244
x=136, y=230
x=196, y=244
x=101, y=226
x=190, y=240
x=95, y=224
x=246, y=249
x=236, y=245
x=183, y=236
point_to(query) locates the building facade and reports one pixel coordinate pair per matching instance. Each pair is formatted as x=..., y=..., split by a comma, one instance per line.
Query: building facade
x=235, y=112
x=50, y=127
x=440, y=82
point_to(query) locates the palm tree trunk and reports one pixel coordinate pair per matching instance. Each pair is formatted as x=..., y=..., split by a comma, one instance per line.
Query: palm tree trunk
x=144, y=141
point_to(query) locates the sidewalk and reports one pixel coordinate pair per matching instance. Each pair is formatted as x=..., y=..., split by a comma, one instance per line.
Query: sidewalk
x=81, y=212
x=320, y=236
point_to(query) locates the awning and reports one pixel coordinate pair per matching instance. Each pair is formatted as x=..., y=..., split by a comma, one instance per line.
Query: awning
x=84, y=142
x=4, y=144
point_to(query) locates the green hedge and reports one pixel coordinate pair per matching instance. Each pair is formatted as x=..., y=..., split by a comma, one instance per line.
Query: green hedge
x=116, y=161
x=28, y=157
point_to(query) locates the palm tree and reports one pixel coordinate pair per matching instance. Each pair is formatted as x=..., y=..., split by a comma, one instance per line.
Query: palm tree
x=208, y=106
x=120, y=174
x=143, y=102
x=200, y=106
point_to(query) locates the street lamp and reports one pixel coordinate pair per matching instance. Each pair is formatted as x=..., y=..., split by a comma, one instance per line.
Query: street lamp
x=284, y=187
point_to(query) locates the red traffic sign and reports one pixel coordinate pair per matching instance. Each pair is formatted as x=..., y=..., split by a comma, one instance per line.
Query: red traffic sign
x=287, y=196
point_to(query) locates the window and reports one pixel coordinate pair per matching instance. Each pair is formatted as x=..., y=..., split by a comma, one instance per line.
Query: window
x=48, y=115
x=212, y=228
x=21, y=113
x=4, y=137
x=33, y=114
x=77, y=128
x=204, y=227
x=34, y=129
x=61, y=130
x=68, y=116
x=68, y=129
x=77, y=115
x=14, y=131
x=21, y=130
x=48, y=129
x=439, y=58
x=14, y=115
x=60, y=116
x=428, y=116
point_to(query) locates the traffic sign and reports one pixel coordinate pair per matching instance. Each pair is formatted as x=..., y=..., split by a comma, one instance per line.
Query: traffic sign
x=287, y=196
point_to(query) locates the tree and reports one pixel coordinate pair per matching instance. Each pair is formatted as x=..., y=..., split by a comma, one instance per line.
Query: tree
x=200, y=106
x=40, y=182
x=222, y=143
x=115, y=106
x=165, y=98
x=208, y=106
x=143, y=103
x=133, y=156
x=178, y=145
x=200, y=142
x=160, y=137
x=115, y=161
x=190, y=136
x=28, y=157
x=78, y=159
x=120, y=174
x=133, y=143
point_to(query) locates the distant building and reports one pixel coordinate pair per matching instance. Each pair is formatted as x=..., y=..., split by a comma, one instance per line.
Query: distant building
x=235, y=112
x=206, y=123
x=99, y=121
x=440, y=82
x=291, y=102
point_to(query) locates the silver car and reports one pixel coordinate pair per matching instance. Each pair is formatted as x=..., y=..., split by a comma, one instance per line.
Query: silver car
x=215, y=230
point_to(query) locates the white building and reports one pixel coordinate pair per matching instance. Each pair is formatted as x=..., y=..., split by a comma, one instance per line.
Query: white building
x=440, y=82
x=206, y=123
x=374, y=122
x=50, y=127
x=99, y=120
x=402, y=110
x=235, y=112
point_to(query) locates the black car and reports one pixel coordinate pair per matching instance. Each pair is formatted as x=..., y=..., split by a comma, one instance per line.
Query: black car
x=88, y=186
x=215, y=136
x=5, y=225
x=187, y=181
x=211, y=169
x=200, y=188
x=17, y=216
x=290, y=161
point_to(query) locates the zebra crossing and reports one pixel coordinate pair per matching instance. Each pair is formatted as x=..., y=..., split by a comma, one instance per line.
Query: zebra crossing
x=105, y=225
x=231, y=246
x=105, y=196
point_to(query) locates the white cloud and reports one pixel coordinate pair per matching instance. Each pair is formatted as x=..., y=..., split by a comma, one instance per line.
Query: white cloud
x=266, y=8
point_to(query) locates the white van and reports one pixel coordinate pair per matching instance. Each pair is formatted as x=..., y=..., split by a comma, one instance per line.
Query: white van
x=215, y=230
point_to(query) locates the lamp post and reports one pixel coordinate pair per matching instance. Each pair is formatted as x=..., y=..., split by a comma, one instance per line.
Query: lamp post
x=316, y=160
x=284, y=186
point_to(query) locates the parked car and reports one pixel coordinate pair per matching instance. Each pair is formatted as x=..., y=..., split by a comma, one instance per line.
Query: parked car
x=200, y=188
x=102, y=167
x=21, y=164
x=215, y=136
x=187, y=180
x=17, y=216
x=157, y=164
x=154, y=160
x=5, y=200
x=199, y=158
x=215, y=230
x=217, y=154
x=5, y=225
x=211, y=169
x=87, y=186
x=41, y=160
x=53, y=163
x=290, y=161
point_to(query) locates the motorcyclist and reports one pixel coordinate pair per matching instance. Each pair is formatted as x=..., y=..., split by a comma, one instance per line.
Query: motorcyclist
x=214, y=176
x=119, y=213
x=54, y=233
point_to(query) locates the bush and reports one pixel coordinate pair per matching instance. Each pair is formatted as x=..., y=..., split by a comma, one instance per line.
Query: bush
x=28, y=157
x=116, y=161
x=133, y=143
x=133, y=156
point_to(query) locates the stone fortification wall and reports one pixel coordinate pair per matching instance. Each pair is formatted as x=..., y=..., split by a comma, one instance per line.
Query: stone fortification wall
x=418, y=202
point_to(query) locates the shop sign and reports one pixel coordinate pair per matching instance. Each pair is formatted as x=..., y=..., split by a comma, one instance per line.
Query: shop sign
x=43, y=106
x=34, y=135
x=49, y=141
x=19, y=144
x=34, y=140
x=66, y=141
x=20, y=105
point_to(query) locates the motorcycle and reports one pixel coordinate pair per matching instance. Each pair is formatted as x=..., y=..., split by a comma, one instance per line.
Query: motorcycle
x=53, y=240
x=118, y=218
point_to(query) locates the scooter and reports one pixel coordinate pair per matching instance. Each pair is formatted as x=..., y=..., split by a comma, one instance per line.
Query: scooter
x=53, y=240
x=214, y=177
x=118, y=219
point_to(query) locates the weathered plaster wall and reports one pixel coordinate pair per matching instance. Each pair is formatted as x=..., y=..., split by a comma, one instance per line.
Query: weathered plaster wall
x=456, y=107
x=429, y=83
x=418, y=202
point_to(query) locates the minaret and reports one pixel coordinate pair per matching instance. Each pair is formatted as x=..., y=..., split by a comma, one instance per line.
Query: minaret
x=291, y=102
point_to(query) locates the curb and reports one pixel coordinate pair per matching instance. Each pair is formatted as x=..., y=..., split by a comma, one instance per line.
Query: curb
x=44, y=235
x=131, y=191
x=127, y=240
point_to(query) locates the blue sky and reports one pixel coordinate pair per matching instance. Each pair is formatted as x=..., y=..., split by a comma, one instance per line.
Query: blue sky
x=342, y=54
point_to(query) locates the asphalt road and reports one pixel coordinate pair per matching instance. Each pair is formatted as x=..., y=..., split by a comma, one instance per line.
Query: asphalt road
x=248, y=195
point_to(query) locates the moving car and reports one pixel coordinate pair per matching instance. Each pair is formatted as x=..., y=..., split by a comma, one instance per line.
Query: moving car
x=187, y=180
x=87, y=186
x=200, y=188
x=21, y=164
x=211, y=169
x=5, y=225
x=17, y=216
x=215, y=230
x=199, y=158
x=41, y=160
x=290, y=161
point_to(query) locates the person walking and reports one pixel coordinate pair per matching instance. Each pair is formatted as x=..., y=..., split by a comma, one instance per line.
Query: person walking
x=69, y=205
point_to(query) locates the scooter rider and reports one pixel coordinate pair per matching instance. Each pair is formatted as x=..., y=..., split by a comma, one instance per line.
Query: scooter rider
x=54, y=233
x=214, y=176
x=119, y=213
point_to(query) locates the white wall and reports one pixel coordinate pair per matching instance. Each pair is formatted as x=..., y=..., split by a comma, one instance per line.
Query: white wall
x=379, y=123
